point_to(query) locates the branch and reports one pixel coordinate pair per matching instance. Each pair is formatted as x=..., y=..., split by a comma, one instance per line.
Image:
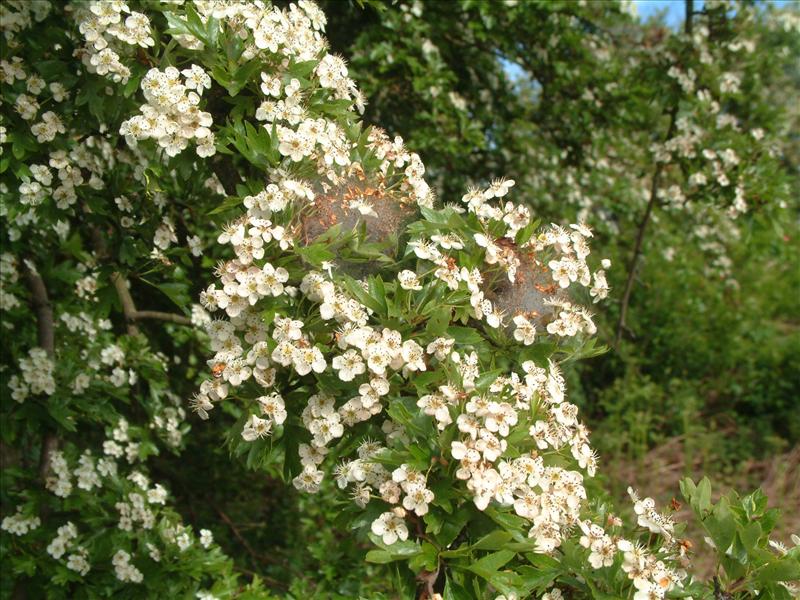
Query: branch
x=43, y=309
x=637, y=248
x=50, y=444
x=161, y=316
x=132, y=315
x=46, y=340
x=128, y=307
x=637, y=251
x=687, y=24
x=428, y=581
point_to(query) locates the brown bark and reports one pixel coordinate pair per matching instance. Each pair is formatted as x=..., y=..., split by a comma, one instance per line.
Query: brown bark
x=46, y=339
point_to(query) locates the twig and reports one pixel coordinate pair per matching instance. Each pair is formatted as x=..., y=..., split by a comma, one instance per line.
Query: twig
x=123, y=293
x=428, y=578
x=258, y=557
x=267, y=578
x=46, y=340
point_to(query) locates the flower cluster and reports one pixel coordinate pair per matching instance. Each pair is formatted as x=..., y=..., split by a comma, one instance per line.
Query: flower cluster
x=64, y=542
x=269, y=30
x=66, y=174
x=36, y=377
x=106, y=23
x=141, y=509
x=650, y=573
x=123, y=568
x=59, y=545
x=172, y=115
x=549, y=496
x=8, y=277
x=19, y=523
x=19, y=15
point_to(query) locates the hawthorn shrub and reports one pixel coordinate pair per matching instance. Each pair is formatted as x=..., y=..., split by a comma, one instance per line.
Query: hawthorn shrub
x=582, y=104
x=358, y=332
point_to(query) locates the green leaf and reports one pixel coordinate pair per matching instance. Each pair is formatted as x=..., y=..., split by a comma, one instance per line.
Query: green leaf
x=465, y=335
x=359, y=294
x=379, y=557
x=453, y=525
x=495, y=540
x=721, y=525
x=400, y=550
x=524, y=234
x=508, y=521
x=177, y=292
x=402, y=415
x=749, y=535
x=315, y=254
x=445, y=218
x=226, y=205
x=535, y=578
x=754, y=504
x=704, y=495
x=433, y=520
x=176, y=25
x=378, y=292
x=242, y=76
x=486, y=379
x=438, y=321
x=130, y=87
x=301, y=69
x=427, y=559
x=507, y=582
x=782, y=569
x=487, y=566
x=455, y=591
x=61, y=413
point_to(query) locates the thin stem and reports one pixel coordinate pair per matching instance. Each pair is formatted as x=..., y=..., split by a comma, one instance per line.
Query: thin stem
x=239, y=536
x=161, y=316
x=260, y=558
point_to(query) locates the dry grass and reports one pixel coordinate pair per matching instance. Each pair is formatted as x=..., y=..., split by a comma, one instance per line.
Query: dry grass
x=659, y=472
